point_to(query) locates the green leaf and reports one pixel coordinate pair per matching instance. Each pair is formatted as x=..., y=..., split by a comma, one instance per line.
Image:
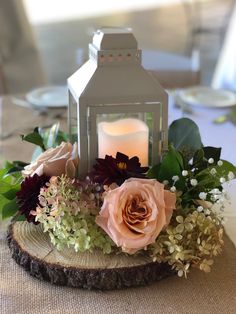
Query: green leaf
x=3, y=202
x=11, y=194
x=212, y=152
x=171, y=165
x=184, y=135
x=7, y=165
x=201, y=157
x=205, y=178
x=198, y=157
x=13, y=170
x=15, y=167
x=3, y=178
x=153, y=172
x=6, y=187
x=50, y=137
x=62, y=137
x=19, y=218
x=18, y=163
x=53, y=136
x=34, y=138
x=2, y=173
x=10, y=209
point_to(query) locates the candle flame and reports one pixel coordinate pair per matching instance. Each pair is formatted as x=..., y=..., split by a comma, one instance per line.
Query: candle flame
x=122, y=165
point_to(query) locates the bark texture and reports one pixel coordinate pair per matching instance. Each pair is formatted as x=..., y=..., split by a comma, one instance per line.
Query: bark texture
x=87, y=272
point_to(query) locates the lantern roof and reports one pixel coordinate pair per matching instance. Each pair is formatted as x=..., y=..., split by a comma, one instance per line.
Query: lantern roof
x=114, y=72
x=114, y=38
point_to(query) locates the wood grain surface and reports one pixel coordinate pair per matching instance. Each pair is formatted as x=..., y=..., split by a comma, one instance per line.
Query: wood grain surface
x=31, y=248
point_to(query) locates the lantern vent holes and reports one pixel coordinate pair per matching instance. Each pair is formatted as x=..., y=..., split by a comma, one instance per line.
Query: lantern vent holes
x=117, y=57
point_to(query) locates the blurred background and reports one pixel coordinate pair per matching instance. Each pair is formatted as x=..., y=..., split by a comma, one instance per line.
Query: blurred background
x=44, y=42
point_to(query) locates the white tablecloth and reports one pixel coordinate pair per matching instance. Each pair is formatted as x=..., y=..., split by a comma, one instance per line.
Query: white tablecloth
x=217, y=135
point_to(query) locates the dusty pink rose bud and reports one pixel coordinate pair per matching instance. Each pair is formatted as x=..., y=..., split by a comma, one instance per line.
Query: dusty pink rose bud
x=56, y=161
x=134, y=214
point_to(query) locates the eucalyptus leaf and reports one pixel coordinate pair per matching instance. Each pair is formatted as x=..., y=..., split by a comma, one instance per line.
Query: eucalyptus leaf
x=184, y=135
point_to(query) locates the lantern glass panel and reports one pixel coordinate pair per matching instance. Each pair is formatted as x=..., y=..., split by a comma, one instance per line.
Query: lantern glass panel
x=130, y=133
x=73, y=119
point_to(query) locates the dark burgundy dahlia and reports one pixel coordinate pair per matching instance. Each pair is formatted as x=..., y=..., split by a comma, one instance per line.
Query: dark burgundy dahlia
x=27, y=197
x=116, y=170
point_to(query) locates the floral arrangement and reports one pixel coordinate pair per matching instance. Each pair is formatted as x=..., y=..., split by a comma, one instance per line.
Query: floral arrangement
x=171, y=212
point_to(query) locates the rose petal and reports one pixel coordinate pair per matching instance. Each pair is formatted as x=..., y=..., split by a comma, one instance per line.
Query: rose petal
x=128, y=228
x=55, y=161
x=70, y=168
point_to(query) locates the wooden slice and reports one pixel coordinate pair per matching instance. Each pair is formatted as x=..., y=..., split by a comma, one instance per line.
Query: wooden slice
x=31, y=248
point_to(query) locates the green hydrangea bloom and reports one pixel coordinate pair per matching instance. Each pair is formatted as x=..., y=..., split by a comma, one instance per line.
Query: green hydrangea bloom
x=191, y=240
x=64, y=214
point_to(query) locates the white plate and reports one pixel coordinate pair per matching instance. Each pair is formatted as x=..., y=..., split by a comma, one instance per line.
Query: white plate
x=48, y=97
x=208, y=97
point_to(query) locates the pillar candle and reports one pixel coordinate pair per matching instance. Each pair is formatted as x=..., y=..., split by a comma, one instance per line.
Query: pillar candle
x=128, y=136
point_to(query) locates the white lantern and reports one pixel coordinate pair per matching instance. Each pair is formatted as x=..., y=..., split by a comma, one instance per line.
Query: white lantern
x=115, y=104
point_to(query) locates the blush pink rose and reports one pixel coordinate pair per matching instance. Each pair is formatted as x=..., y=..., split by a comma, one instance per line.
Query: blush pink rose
x=135, y=213
x=56, y=161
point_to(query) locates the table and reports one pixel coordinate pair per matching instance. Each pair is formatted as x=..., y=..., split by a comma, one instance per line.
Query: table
x=172, y=70
x=201, y=293
x=16, y=120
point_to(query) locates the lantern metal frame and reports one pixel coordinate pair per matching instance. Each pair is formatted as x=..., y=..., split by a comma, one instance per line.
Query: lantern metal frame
x=113, y=81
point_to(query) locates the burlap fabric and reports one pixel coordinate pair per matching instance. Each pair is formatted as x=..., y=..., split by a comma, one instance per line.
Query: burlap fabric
x=21, y=294
x=200, y=293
